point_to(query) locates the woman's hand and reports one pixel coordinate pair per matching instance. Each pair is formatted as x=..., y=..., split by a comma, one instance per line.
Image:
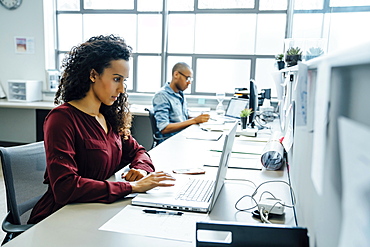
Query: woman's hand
x=154, y=179
x=134, y=174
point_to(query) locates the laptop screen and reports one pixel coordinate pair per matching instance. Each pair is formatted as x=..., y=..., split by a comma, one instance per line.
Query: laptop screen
x=223, y=164
x=235, y=106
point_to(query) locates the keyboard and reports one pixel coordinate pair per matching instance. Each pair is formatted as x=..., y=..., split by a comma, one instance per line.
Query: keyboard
x=199, y=190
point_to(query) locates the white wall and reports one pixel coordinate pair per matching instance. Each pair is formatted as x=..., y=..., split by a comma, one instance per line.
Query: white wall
x=25, y=21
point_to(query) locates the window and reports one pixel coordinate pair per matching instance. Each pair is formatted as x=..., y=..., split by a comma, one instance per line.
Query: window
x=226, y=42
x=335, y=21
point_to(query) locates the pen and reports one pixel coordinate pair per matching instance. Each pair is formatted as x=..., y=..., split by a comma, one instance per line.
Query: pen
x=151, y=211
x=204, y=129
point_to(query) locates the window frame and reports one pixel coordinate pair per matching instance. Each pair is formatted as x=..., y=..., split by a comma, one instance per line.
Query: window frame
x=290, y=11
x=164, y=54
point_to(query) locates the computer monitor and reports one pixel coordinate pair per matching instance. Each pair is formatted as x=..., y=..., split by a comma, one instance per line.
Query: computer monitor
x=253, y=101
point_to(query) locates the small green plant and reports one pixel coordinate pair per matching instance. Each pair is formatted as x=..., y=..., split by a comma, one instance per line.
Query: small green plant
x=315, y=51
x=294, y=51
x=279, y=57
x=246, y=112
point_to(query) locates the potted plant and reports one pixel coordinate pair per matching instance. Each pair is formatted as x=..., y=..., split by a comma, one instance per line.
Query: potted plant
x=293, y=55
x=244, y=114
x=280, y=62
x=314, y=52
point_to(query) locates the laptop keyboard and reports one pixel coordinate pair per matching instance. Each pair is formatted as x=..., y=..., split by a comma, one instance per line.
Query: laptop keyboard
x=199, y=190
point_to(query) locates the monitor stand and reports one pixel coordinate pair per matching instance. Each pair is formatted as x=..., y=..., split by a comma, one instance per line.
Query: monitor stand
x=249, y=131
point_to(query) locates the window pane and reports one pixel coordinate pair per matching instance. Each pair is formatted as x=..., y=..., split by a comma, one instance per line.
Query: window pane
x=264, y=79
x=344, y=3
x=171, y=61
x=109, y=4
x=345, y=30
x=131, y=76
x=149, y=73
x=273, y=4
x=307, y=25
x=60, y=61
x=222, y=75
x=149, y=5
x=181, y=33
x=225, y=33
x=270, y=33
x=68, y=5
x=123, y=25
x=67, y=36
x=183, y=5
x=149, y=33
x=225, y=4
x=312, y=4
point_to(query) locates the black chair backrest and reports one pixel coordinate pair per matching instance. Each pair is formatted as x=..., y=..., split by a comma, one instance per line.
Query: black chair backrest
x=153, y=122
x=23, y=169
x=155, y=132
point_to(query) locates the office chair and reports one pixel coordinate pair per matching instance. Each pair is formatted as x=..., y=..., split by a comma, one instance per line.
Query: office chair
x=157, y=139
x=23, y=169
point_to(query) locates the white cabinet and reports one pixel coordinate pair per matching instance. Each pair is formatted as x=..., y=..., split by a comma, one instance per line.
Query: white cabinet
x=24, y=90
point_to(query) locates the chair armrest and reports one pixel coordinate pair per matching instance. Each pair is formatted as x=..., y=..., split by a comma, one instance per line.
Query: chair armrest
x=12, y=228
x=159, y=138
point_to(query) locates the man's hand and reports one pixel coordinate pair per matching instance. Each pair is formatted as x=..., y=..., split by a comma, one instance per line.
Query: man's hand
x=202, y=118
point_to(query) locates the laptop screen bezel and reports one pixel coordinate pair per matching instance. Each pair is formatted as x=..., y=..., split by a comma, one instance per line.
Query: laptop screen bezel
x=229, y=106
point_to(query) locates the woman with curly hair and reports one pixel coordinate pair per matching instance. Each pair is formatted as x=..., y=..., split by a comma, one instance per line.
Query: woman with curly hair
x=87, y=137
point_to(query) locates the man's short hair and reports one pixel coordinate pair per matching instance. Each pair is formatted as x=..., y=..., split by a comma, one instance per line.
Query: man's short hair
x=180, y=66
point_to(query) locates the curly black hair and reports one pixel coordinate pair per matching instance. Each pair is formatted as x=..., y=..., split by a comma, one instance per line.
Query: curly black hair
x=97, y=53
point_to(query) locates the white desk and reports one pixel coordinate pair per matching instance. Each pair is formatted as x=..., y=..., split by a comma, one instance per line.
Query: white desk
x=77, y=224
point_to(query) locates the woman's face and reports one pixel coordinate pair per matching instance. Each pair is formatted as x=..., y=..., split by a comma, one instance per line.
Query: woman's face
x=108, y=85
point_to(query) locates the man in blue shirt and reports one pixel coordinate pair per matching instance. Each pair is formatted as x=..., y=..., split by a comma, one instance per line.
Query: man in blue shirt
x=170, y=106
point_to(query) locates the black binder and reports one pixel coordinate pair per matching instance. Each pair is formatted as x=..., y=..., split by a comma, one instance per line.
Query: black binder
x=233, y=234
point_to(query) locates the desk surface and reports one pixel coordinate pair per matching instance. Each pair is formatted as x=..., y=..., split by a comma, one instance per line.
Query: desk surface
x=77, y=224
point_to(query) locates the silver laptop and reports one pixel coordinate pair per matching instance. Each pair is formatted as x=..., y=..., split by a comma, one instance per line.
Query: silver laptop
x=235, y=106
x=179, y=197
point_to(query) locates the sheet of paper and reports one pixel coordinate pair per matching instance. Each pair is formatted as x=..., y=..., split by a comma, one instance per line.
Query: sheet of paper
x=204, y=135
x=253, y=139
x=355, y=163
x=278, y=81
x=132, y=220
x=301, y=95
x=256, y=149
x=289, y=132
x=321, y=106
x=237, y=160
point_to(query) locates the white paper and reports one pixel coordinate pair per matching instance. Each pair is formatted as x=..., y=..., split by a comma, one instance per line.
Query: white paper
x=355, y=163
x=288, y=138
x=132, y=220
x=276, y=75
x=237, y=160
x=301, y=95
x=204, y=135
x=320, y=126
x=311, y=86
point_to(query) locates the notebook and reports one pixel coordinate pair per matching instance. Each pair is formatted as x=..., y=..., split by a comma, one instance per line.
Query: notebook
x=163, y=197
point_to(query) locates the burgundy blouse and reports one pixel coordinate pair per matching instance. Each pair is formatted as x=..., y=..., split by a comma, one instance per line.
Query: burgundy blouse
x=80, y=156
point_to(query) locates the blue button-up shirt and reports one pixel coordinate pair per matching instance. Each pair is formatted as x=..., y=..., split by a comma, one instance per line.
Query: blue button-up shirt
x=169, y=107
